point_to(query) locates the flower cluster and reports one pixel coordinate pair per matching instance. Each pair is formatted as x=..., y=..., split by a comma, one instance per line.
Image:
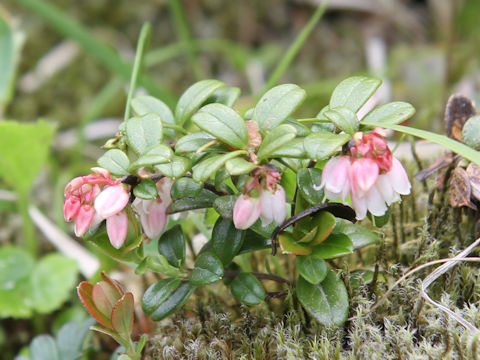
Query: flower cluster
x=88, y=204
x=266, y=201
x=371, y=175
x=152, y=213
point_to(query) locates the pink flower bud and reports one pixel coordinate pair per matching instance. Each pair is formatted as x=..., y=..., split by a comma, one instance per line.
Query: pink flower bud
x=101, y=171
x=117, y=227
x=74, y=184
x=71, y=207
x=111, y=201
x=273, y=206
x=84, y=219
x=246, y=211
x=364, y=174
x=153, y=216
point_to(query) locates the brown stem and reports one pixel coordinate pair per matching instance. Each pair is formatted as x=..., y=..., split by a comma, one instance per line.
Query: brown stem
x=276, y=294
x=233, y=273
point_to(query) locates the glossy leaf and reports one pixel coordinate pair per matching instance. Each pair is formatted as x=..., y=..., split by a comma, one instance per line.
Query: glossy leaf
x=122, y=315
x=176, y=168
x=312, y=269
x=359, y=235
x=327, y=302
x=276, y=138
x=184, y=187
x=391, y=113
x=277, y=104
x=43, y=347
x=85, y=293
x=289, y=246
x=204, y=199
x=145, y=104
x=248, y=289
x=239, y=166
x=343, y=118
x=254, y=241
x=292, y=149
x=224, y=123
x=115, y=161
x=302, y=130
x=158, y=154
x=320, y=145
x=157, y=293
x=172, y=246
x=226, y=240
x=52, y=280
x=194, y=97
x=206, y=168
x=353, y=92
x=226, y=96
x=172, y=303
x=224, y=205
x=24, y=150
x=193, y=142
x=334, y=246
x=207, y=270
x=144, y=132
x=308, y=181
x=146, y=189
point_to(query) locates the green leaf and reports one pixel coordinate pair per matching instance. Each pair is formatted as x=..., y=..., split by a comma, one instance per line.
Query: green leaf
x=224, y=123
x=24, y=150
x=147, y=189
x=206, y=168
x=70, y=339
x=175, y=301
x=359, y=235
x=276, y=138
x=289, y=246
x=10, y=43
x=100, y=240
x=185, y=187
x=239, y=166
x=334, y=246
x=176, y=168
x=226, y=240
x=224, y=205
x=172, y=246
x=158, y=154
x=312, y=269
x=203, y=200
x=145, y=104
x=115, y=161
x=321, y=145
x=343, y=118
x=16, y=302
x=391, y=113
x=353, y=92
x=52, y=281
x=15, y=264
x=122, y=315
x=194, y=97
x=226, y=96
x=43, y=347
x=302, y=130
x=208, y=269
x=144, y=132
x=246, y=288
x=307, y=181
x=254, y=241
x=327, y=302
x=193, y=142
x=277, y=104
x=292, y=149
x=158, y=293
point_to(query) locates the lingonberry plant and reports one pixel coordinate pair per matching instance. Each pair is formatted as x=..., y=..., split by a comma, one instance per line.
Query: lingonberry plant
x=272, y=181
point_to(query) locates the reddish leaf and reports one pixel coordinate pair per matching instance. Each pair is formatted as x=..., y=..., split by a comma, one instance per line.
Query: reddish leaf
x=85, y=293
x=122, y=315
x=114, y=283
x=105, y=296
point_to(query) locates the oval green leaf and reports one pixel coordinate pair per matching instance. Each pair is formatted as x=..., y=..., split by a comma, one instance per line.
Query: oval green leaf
x=206, y=168
x=391, y=113
x=224, y=123
x=226, y=240
x=172, y=246
x=334, y=246
x=248, y=289
x=158, y=154
x=184, y=187
x=208, y=269
x=146, y=190
x=277, y=104
x=308, y=181
x=226, y=96
x=343, y=118
x=353, y=92
x=115, y=161
x=312, y=269
x=144, y=132
x=158, y=293
x=176, y=168
x=194, y=97
x=145, y=104
x=327, y=302
x=320, y=145
x=238, y=166
x=276, y=138
x=174, y=302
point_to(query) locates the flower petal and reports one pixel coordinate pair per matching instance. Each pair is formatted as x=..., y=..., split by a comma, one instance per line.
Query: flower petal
x=246, y=211
x=111, y=201
x=399, y=178
x=117, y=226
x=375, y=203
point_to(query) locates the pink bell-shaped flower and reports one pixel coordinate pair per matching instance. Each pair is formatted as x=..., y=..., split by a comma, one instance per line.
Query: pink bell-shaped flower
x=84, y=219
x=111, y=201
x=246, y=211
x=153, y=216
x=363, y=176
x=273, y=206
x=117, y=227
x=71, y=207
x=335, y=178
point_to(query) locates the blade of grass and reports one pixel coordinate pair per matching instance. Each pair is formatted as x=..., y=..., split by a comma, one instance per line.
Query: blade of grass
x=69, y=27
x=453, y=145
x=143, y=41
x=181, y=24
x=295, y=48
